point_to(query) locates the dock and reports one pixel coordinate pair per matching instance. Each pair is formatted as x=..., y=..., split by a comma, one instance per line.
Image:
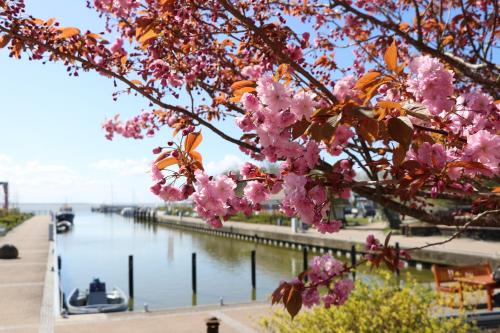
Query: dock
x=460, y=251
x=26, y=299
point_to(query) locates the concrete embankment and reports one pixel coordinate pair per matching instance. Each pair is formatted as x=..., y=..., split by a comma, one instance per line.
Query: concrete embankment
x=26, y=294
x=461, y=251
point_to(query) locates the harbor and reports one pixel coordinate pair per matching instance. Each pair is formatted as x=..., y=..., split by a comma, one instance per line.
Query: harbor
x=233, y=284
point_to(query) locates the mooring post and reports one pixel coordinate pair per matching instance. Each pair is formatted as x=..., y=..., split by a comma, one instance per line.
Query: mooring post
x=397, y=260
x=213, y=325
x=131, y=281
x=306, y=261
x=254, y=282
x=353, y=262
x=193, y=271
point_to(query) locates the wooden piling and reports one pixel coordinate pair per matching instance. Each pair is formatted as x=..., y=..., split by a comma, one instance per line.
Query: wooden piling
x=131, y=281
x=254, y=282
x=305, y=261
x=353, y=262
x=193, y=271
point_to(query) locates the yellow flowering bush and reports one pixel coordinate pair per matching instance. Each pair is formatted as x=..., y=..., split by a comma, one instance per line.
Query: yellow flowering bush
x=378, y=306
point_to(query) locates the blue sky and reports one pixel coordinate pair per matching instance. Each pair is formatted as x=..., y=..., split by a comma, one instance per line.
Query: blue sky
x=52, y=147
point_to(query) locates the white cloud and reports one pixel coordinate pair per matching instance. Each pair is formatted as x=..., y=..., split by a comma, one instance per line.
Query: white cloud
x=41, y=182
x=126, y=167
x=229, y=162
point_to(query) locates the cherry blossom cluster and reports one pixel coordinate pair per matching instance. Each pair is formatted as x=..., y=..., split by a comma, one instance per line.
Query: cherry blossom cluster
x=131, y=128
x=325, y=272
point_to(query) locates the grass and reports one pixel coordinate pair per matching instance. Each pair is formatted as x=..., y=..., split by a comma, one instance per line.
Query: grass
x=354, y=221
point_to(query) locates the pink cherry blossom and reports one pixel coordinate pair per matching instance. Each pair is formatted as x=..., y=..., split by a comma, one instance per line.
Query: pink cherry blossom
x=484, y=147
x=170, y=193
x=310, y=297
x=322, y=268
x=431, y=84
x=339, y=294
x=303, y=105
x=344, y=88
x=329, y=226
x=256, y=192
x=273, y=94
x=211, y=195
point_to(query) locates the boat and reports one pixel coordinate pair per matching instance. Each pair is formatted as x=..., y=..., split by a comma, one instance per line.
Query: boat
x=127, y=211
x=63, y=226
x=96, y=299
x=65, y=214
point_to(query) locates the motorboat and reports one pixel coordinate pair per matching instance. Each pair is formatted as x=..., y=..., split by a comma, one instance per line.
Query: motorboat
x=127, y=211
x=63, y=226
x=96, y=299
x=65, y=214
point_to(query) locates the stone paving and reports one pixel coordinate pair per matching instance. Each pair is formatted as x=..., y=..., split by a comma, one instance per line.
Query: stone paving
x=241, y=318
x=22, y=280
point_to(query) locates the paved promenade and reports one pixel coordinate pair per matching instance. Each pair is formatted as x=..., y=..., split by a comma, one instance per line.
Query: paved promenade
x=458, y=251
x=241, y=318
x=22, y=280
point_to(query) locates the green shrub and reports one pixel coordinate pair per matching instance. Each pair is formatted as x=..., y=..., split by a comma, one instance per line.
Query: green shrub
x=13, y=219
x=378, y=306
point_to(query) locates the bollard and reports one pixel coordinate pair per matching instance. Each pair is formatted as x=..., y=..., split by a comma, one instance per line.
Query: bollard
x=305, y=261
x=193, y=271
x=51, y=232
x=213, y=325
x=353, y=261
x=253, y=270
x=131, y=281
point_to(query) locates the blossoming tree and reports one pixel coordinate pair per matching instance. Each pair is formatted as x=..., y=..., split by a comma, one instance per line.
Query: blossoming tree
x=413, y=109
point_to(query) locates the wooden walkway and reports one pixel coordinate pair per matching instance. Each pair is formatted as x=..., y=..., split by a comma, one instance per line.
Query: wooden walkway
x=22, y=280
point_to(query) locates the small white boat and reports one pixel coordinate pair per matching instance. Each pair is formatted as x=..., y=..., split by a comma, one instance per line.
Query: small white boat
x=63, y=226
x=96, y=300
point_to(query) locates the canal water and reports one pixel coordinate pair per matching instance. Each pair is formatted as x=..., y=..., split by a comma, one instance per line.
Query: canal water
x=99, y=246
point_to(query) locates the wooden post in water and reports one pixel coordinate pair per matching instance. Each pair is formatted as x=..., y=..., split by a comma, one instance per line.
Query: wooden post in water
x=305, y=260
x=397, y=261
x=353, y=261
x=193, y=271
x=131, y=282
x=254, y=279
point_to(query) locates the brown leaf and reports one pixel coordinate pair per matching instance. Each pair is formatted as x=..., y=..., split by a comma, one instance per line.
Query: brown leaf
x=467, y=165
x=399, y=154
x=4, y=40
x=150, y=34
x=417, y=110
x=299, y=128
x=367, y=79
x=68, y=32
x=294, y=302
x=368, y=129
x=166, y=162
x=242, y=84
x=391, y=57
x=193, y=140
x=401, y=130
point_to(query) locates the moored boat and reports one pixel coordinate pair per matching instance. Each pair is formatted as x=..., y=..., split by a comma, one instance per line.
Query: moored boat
x=63, y=226
x=65, y=214
x=96, y=299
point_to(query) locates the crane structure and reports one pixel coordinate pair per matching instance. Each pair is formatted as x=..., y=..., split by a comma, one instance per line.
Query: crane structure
x=5, y=186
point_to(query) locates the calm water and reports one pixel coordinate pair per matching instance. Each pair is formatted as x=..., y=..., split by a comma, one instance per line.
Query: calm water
x=99, y=245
